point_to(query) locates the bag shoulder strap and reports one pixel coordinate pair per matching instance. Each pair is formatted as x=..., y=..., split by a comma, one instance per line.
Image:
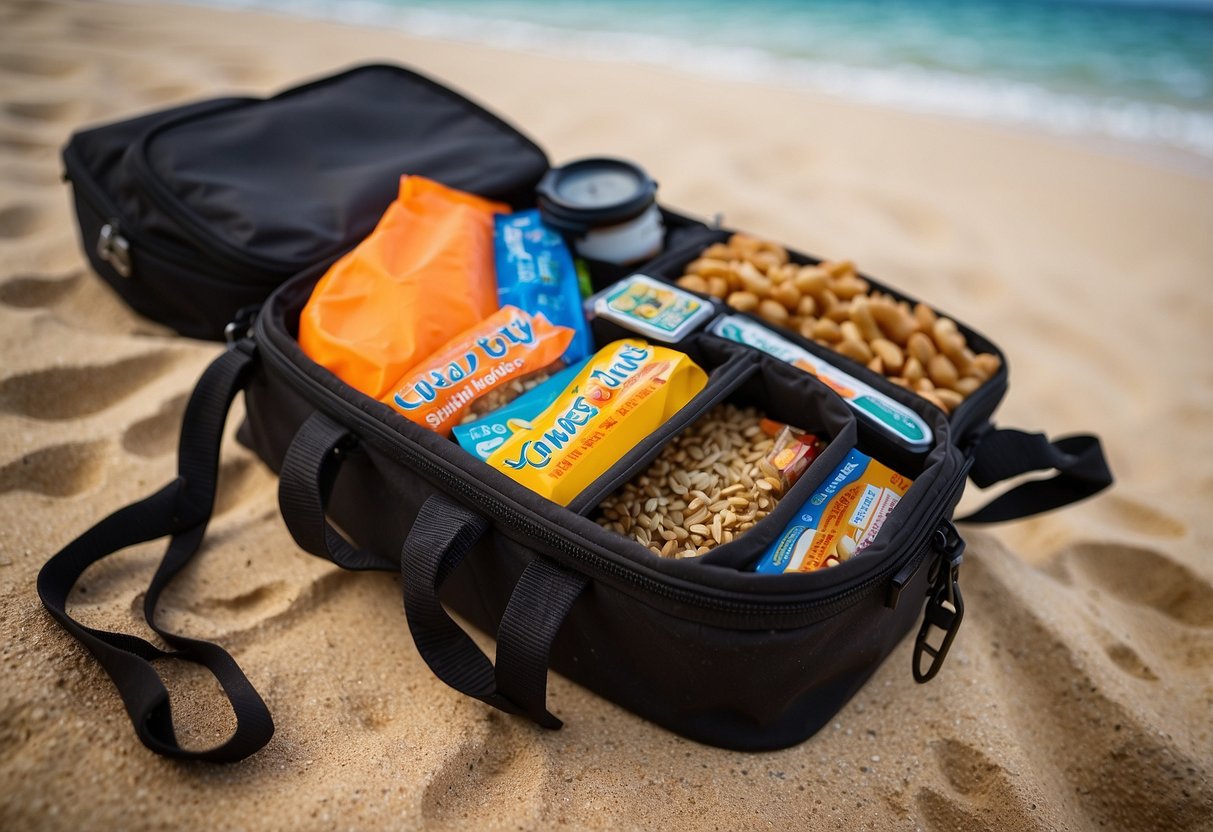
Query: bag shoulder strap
x=1078, y=462
x=180, y=510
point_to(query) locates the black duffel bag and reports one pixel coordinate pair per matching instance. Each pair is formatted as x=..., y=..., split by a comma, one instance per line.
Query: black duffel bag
x=703, y=646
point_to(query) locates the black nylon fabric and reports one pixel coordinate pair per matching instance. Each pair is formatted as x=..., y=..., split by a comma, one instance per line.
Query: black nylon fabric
x=438, y=542
x=304, y=483
x=707, y=649
x=443, y=535
x=654, y=656
x=181, y=509
x=660, y=660
x=533, y=616
x=1079, y=462
x=222, y=200
x=295, y=179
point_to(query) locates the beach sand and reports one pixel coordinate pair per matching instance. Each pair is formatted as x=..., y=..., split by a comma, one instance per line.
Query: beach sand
x=1079, y=693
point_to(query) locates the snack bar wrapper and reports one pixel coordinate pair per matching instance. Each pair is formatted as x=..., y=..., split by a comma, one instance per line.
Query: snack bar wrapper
x=535, y=272
x=508, y=345
x=840, y=519
x=484, y=435
x=626, y=392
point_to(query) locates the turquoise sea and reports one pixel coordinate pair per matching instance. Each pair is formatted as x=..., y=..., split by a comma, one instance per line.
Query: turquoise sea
x=1140, y=72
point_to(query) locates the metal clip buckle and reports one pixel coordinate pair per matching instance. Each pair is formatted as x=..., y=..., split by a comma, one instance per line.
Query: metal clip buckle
x=240, y=328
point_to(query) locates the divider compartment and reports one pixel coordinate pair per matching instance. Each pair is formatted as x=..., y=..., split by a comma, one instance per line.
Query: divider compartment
x=778, y=392
x=919, y=467
x=984, y=387
x=727, y=366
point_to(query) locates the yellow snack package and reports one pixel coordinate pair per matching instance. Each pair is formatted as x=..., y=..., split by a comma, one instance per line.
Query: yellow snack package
x=627, y=390
x=508, y=345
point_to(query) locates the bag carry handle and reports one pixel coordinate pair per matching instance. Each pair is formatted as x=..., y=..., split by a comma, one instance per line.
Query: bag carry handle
x=181, y=509
x=443, y=533
x=309, y=470
x=1081, y=471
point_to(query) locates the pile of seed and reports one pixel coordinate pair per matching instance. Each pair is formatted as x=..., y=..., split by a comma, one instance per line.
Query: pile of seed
x=710, y=484
x=830, y=303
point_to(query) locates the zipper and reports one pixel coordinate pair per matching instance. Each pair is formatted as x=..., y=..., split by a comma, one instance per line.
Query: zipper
x=117, y=236
x=826, y=602
x=114, y=249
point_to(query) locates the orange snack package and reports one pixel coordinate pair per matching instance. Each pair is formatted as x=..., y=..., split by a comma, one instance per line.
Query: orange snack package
x=508, y=345
x=424, y=275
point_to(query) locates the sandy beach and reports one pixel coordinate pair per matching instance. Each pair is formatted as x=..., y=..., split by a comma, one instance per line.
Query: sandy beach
x=1078, y=695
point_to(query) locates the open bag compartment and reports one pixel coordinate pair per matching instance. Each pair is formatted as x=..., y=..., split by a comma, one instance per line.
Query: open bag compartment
x=553, y=587
x=653, y=634
x=972, y=412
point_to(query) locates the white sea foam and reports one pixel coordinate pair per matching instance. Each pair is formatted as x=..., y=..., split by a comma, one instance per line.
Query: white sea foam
x=908, y=88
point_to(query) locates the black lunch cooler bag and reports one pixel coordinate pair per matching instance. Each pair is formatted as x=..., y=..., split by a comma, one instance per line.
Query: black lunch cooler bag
x=702, y=646
x=195, y=212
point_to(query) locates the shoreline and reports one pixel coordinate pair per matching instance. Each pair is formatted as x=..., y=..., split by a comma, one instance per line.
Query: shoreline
x=745, y=65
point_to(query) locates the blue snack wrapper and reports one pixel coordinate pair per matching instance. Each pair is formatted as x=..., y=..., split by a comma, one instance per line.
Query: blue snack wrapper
x=535, y=272
x=840, y=518
x=482, y=437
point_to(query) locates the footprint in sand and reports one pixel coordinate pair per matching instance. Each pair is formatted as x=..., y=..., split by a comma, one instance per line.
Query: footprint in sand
x=1131, y=774
x=79, y=300
x=157, y=434
x=21, y=220
x=1142, y=577
x=243, y=617
x=1139, y=517
x=241, y=613
x=49, y=111
x=35, y=65
x=982, y=797
x=493, y=780
x=1128, y=660
x=239, y=478
x=18, y=11
x=72, y=392
x=56, y=470
x=38, y=292
x=30, y=148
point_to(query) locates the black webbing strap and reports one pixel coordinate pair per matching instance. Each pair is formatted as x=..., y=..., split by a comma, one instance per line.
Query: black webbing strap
x=304, y=483
x=537, y=607
x=1081, y=471
x=442, y=535
x=181, y=509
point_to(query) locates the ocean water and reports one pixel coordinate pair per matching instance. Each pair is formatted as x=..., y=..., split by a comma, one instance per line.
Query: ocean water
x=1138, y=72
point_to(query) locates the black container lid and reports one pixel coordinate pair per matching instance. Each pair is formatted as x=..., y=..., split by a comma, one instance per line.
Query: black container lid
x=594, y=192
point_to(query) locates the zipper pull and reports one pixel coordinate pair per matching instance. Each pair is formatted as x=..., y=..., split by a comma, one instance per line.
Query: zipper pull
x=945, y=607
x=114, y=249
x=240, y=328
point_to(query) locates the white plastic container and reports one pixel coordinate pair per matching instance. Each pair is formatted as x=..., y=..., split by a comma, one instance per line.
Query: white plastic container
x=606, y=207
